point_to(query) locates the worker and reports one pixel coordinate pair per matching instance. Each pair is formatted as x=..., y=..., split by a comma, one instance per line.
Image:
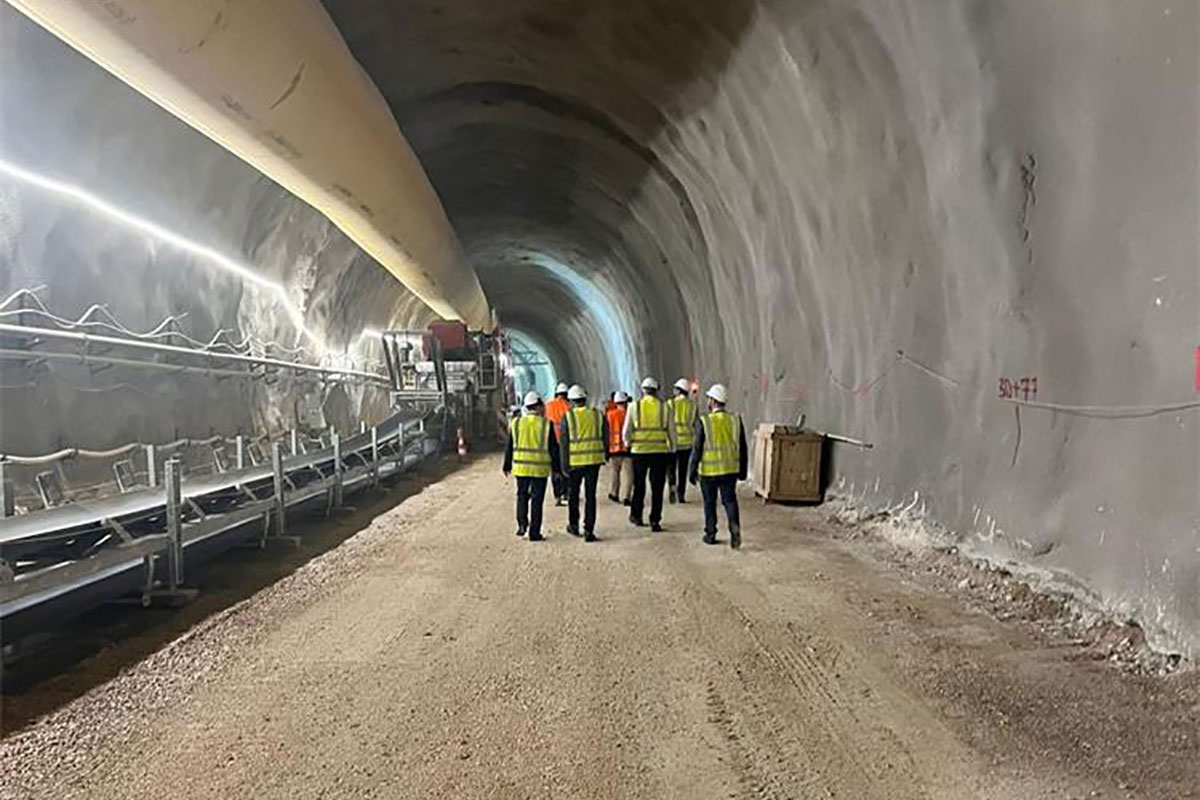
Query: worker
x=532, y=456
x=650, y=436
x=683, y=411
x=556, y=409
x=583, y=453
x=719, y=460
x=618, y=453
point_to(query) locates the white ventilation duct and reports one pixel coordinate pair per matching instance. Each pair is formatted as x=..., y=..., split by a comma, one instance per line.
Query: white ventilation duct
x=273, y=82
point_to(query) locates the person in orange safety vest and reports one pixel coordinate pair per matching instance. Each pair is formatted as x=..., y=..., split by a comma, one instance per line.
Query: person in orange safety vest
x=556, y=409
x=618, y=453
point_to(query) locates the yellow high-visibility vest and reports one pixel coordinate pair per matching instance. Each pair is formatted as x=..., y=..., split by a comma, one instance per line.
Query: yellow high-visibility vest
x=649, y=434
x=684, y=409
x=585, y=442
x=722, y=445
x=531, y=447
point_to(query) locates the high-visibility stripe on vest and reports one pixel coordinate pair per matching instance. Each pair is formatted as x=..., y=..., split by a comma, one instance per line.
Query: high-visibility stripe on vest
x=616, y=428
x=684, y=409
x=531, y=447
x=649, y=434
x=722, y=445
x=585, y=437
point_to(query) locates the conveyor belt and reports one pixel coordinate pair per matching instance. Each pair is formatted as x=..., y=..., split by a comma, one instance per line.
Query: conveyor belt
x=75, y=550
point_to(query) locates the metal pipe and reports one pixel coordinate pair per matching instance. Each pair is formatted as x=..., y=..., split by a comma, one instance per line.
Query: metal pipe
x=273, y=82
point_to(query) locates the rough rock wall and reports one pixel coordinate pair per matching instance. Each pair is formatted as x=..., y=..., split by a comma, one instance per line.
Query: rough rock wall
x=64, y=118
x=784, y=194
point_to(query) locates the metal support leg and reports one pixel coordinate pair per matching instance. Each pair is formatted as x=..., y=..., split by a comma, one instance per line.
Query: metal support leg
x=338, y=469
x=280, y=505
x=151, y=466
x=8, y=505
x=174, y=525
x=400, y=447
x=241, y=451
x=375, y=456
x=295, y=441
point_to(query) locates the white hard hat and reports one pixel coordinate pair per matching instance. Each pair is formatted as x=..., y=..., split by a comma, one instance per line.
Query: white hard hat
x=532, y=399
x=560, y=389
x=576, y=392
x=620, y=397
x=649, y=383
x=683, y=384
x=718, y=392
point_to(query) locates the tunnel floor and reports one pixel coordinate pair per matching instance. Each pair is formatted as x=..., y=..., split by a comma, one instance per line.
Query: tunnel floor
x=436, y=655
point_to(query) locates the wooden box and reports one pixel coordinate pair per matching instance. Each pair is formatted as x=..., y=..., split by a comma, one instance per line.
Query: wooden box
x=787, y=463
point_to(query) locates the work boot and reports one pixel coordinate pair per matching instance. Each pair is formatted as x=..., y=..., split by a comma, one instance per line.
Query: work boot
x=656, y=527
x=520, y=531
x=735, y=537
x=558, y=501
x=573, y=530
x=671, y=497
x=636, y=521
x=588, y=536
x=626, y=502
x=710, y=538
x=614, y=498
x=536, y=537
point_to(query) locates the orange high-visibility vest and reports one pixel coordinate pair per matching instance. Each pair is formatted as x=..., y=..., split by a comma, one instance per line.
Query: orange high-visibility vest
x=616, y=424
x=556, y=409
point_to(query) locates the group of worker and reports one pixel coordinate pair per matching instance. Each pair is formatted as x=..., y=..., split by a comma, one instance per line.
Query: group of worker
x=664, y=441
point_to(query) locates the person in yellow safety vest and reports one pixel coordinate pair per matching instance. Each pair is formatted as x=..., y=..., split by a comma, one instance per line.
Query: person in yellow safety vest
x=683, y=410
x=556, y=409
x=531, y=456
x=650, y=437
x=719, y=460
x=585, y=432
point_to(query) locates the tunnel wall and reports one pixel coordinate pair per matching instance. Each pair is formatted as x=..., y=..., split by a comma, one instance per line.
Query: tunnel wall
x=64, y=118
x=893, y=217
x=1006, y=193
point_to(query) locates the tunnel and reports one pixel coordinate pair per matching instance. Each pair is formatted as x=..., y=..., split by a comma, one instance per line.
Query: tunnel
x=964, y=232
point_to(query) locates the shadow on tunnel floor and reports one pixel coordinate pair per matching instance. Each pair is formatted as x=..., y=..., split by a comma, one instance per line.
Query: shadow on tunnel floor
x=51, y=669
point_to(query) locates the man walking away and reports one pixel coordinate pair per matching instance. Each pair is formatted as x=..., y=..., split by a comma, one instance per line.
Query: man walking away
x=584, y=434
x=531, y=456
x=649, y=435
x=719, y=461
x=556, y=409
x=683, y=410
x=618, y=454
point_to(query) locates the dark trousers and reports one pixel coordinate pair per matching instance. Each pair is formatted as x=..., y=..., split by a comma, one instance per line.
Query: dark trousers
x=559, y=484
x=656, y=465
x=679, y=471
x=726, y=486
x=531, y=493
x=588, y=477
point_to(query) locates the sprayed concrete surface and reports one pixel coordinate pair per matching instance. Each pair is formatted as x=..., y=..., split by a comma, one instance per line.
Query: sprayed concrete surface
x=436, y=655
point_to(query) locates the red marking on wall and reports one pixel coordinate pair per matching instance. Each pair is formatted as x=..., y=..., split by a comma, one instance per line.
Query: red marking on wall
x=1018, y=388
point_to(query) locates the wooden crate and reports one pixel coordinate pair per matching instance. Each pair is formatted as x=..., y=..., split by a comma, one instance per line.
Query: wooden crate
x=787, y=463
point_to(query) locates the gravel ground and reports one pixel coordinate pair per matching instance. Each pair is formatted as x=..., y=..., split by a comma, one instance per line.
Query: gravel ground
x=436, y=655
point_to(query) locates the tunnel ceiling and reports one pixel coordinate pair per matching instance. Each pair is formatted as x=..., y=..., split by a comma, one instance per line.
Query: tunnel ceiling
x=537, y=124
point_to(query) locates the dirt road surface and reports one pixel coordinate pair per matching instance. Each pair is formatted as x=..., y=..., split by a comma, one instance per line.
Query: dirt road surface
x=436, y=655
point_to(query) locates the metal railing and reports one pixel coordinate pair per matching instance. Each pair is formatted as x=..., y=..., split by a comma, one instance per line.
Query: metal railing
x=152, y=531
